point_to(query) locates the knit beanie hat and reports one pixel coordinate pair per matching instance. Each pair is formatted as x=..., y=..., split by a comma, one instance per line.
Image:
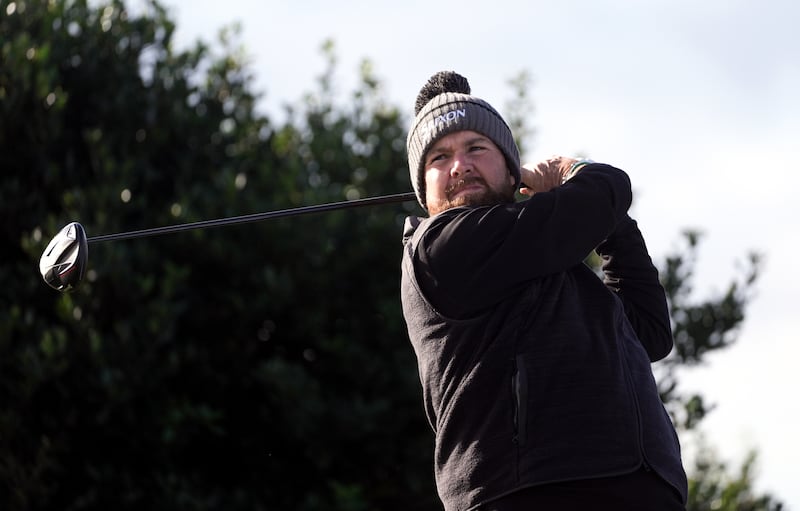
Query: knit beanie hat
x=444, y=105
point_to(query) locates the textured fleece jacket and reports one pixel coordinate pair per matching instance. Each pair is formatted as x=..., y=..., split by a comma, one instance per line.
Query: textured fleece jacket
x=533, y=369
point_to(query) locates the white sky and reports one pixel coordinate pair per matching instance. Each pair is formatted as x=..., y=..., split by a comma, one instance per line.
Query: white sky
x=698, y=101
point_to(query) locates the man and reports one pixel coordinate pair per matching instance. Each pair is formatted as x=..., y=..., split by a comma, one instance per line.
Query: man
x=535, y=373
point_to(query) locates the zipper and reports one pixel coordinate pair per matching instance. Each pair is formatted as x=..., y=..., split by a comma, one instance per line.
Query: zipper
x=519, y=388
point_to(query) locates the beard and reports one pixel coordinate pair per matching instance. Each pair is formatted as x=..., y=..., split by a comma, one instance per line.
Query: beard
x=486, y=196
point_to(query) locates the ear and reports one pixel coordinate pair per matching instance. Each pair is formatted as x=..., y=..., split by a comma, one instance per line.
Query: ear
x=512, y=181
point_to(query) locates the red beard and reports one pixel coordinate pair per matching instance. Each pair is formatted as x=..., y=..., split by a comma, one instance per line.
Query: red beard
x=484, y=197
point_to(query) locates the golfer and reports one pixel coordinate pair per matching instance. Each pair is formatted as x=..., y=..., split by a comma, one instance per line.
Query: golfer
x=535, y=372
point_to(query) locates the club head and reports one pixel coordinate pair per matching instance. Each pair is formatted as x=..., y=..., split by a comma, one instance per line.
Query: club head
x=63, y=262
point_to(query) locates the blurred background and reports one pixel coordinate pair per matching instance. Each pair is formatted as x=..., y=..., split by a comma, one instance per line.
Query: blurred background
x=266, y=366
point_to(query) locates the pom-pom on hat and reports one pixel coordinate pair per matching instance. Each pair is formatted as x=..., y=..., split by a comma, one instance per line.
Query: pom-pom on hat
x=443, y=106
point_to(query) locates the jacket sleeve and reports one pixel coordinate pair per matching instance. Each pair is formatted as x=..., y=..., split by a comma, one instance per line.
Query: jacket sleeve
x=470, y=258
x=630, y=273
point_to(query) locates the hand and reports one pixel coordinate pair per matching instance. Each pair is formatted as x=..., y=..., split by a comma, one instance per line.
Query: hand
x=545, y=175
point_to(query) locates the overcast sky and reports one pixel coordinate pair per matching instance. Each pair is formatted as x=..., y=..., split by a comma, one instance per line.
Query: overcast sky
x=698, y=101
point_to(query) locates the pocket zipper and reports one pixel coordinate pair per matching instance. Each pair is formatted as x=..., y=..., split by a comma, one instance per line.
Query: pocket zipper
x=519, y=386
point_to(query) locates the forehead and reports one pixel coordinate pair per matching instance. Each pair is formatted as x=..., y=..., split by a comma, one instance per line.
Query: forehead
x=460, y=138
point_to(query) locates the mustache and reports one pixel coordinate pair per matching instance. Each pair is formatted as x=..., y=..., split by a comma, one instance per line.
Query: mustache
x=461, y=183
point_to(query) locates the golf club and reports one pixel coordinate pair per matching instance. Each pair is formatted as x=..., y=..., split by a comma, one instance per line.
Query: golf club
x=63, y=262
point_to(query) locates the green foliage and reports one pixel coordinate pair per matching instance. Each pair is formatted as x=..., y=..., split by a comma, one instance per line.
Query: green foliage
x=699, y=327
x=720, y=491
x=519, y=110
x=255, y=367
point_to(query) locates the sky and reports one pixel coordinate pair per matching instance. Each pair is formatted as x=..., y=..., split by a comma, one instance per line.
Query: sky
x=697, y=101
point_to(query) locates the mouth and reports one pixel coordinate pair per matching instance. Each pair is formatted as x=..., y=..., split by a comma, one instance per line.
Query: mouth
x=464, y=185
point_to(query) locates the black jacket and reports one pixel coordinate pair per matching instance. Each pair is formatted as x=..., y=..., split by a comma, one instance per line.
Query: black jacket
x=533, y=369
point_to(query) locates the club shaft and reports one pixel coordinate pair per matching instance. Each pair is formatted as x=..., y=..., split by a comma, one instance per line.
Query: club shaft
x=256, y=217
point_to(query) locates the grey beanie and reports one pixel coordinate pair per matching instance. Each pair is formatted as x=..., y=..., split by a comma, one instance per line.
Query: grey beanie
x=444, y=106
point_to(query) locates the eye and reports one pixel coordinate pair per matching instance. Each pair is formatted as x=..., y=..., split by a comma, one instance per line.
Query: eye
x=436, y=157
x=475, y=148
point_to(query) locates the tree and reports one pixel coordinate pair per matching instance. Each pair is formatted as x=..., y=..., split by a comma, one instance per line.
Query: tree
x=255, y=367
x=700, y=328
x=208, y=370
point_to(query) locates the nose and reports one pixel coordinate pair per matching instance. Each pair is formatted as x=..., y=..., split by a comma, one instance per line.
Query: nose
x=461, y=164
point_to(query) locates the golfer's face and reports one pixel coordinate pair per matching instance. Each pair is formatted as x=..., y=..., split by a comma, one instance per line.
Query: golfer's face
x=466, y=168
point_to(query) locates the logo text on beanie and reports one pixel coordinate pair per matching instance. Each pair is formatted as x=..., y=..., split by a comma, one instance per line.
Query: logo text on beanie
x=446, y=118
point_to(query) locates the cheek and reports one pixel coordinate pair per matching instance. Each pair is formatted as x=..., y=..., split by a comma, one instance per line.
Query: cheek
x=506, y=173
x=434, y=182
x=501, y=176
